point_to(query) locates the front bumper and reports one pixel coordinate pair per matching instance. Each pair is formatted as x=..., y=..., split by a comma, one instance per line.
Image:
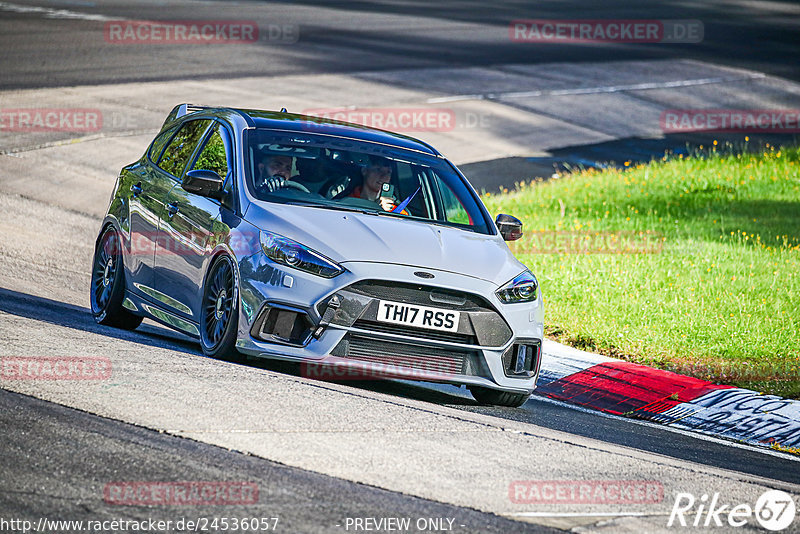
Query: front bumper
x=345, y=335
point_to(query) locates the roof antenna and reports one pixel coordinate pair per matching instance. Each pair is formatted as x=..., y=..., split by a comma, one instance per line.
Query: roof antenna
x=283, y=110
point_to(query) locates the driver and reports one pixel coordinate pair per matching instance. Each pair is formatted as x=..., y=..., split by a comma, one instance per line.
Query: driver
x=273, y=171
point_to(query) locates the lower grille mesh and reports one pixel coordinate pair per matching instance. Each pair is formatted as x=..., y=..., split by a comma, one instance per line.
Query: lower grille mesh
x=432, y=360
x=452, y=337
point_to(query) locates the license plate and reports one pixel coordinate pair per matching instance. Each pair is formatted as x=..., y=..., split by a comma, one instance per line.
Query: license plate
x=418, y=316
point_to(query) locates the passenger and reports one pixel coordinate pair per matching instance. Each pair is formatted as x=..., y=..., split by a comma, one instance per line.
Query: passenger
x=374, y=175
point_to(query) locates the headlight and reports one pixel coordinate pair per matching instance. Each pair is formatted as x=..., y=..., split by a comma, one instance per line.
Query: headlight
x=523, y=288
x=292, y=254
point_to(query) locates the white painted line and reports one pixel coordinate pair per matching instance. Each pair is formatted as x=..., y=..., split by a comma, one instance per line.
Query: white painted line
x=600, y=89
x=73, y=140
x=50, y=13
x=696, y=434
x=456, y=98
x=584, y=514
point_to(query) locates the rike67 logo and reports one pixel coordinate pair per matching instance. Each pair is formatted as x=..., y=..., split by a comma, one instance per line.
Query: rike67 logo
x=774, y=511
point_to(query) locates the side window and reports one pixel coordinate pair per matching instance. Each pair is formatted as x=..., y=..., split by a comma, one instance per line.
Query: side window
x=180, y=149
x=454, y=211
x=158, y=145
x=213, y=157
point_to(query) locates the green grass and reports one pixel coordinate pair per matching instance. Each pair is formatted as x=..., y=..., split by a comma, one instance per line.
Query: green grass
x=717, y=298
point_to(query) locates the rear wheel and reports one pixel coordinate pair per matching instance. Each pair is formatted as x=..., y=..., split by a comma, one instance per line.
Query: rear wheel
x=219, y=318
x=493, y=397
x=108, y=284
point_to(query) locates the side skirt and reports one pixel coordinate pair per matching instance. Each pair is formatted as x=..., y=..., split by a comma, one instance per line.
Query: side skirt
x=153, y=311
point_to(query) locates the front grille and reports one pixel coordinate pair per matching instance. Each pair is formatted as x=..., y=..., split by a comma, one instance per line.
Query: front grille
x=420, y=358
x=480, y=324
x=420, y=294
x=435, y=335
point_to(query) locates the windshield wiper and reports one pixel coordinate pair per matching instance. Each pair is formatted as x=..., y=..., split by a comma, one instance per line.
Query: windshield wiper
x=332, y=207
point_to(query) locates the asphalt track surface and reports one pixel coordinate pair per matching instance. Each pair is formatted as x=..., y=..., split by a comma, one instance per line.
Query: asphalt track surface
x=336, y=37
x=56, y=459
x=538, y=411
x=64, y=439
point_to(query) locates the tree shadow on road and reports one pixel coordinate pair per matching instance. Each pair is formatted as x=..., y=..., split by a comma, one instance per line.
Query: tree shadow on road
x=80, y=318
x=497, y=174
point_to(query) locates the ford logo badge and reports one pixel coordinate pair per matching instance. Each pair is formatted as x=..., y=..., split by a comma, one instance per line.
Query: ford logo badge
x=423, y=274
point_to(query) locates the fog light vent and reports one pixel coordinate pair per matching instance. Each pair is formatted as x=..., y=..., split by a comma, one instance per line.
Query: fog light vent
x=523, y=358
x=278, y=324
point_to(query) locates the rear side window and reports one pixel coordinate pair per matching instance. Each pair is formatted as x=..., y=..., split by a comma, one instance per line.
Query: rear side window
x=158, y=145
x=213, y=157
x=180, y=149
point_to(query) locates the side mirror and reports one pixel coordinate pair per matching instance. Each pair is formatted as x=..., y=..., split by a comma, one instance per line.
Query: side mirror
x=510, y=227
x=203, y=182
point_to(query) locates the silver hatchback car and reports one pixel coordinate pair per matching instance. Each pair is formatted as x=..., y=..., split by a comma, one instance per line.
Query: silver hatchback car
x=357, y=252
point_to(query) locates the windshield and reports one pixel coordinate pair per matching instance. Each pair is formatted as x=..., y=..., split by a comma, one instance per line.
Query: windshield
x=343, y=174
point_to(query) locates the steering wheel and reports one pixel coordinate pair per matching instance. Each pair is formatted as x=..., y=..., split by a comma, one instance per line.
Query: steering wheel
x=295, y=185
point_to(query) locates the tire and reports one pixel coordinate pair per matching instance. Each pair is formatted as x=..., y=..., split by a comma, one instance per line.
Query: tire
x=493, y=397
x=107, y=287
x=219, y=314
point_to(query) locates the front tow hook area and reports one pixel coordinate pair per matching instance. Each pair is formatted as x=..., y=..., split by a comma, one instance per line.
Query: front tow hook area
x=333, y=304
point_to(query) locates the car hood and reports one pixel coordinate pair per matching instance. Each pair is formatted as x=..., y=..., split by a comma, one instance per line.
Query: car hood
x=346, y=237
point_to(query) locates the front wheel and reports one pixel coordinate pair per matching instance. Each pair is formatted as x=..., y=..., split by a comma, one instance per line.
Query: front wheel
x=493, y=397
x=219, y=317
x=108, y=284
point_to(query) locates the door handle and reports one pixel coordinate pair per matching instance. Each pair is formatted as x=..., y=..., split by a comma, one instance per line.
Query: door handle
x=136, y=189
x=172, y=209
